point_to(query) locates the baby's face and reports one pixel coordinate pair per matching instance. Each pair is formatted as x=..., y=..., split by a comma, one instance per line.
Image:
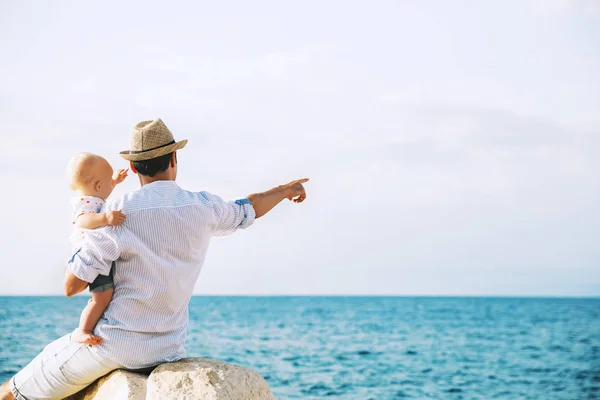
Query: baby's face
x=103, y=182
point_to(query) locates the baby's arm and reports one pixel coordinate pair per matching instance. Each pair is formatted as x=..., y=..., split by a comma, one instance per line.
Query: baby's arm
x=120, y=176
x=90, y=316
x=96, y=220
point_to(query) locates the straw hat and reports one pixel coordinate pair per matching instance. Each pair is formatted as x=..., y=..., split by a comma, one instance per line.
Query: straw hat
x=151, y=139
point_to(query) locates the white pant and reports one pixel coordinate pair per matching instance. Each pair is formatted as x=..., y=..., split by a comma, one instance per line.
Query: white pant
x=64, y=367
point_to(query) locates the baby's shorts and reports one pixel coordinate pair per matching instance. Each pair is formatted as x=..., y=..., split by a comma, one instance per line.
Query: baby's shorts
x=103, y=282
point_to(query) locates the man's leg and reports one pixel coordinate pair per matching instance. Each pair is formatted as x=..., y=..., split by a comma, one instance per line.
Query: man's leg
x=64, y=367
x=5, y=393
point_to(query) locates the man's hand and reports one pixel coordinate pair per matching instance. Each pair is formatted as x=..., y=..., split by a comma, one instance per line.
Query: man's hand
x=120, y=176
x=265, y=201
x=294, y=191
x=114, y=218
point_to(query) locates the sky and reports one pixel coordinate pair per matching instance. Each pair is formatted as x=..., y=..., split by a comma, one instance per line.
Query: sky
x=453, y=147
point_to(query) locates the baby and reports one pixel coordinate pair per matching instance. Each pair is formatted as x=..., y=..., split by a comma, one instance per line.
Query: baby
x=92, y=177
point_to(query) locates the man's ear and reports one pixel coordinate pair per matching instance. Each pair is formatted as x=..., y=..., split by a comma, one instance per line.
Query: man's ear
x=173, y=159
x=132, y=168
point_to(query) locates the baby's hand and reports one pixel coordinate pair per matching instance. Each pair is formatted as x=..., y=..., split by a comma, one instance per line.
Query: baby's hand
x=120, y=176
x=114, y=218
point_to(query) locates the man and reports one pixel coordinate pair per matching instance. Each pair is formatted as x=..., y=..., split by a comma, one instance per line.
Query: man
x=158, y=254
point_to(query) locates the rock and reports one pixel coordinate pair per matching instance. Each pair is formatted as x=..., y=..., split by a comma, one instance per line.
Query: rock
x=189, y=378
x=201, y=378
x=119, y=384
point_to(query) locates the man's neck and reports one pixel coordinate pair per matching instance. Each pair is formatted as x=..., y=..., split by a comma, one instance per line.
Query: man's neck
x=145, y=180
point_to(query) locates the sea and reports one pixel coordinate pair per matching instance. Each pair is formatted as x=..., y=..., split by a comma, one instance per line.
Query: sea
x=367, y=347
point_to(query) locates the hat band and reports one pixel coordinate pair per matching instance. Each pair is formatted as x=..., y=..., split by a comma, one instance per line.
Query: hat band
x=154, y=148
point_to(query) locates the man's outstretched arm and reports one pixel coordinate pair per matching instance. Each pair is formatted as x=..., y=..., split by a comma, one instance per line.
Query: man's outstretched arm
x=266, y=201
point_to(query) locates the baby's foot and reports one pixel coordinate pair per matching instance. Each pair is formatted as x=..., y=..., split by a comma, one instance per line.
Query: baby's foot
x=86, y=337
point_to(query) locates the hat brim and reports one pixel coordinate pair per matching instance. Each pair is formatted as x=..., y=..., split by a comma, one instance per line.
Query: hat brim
x=148, y=155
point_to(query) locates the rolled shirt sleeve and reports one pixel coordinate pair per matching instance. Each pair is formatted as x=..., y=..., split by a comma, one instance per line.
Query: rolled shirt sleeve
x=230, y=216
x=96, y=255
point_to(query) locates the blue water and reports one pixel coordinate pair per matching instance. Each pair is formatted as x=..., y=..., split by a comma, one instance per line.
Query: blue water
x=368, y=347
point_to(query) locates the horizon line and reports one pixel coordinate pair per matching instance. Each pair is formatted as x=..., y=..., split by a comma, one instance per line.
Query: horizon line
x=507, y=296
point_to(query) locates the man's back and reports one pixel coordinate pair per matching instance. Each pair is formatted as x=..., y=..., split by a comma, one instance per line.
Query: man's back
x=159, y=253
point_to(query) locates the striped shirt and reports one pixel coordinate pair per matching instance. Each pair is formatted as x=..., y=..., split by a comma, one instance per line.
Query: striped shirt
x=159, y=251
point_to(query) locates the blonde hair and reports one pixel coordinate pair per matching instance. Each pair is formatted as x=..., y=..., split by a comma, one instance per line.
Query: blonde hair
x=80, y=170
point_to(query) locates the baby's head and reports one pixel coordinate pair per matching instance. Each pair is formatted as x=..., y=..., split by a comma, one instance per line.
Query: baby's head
x=90, y=175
